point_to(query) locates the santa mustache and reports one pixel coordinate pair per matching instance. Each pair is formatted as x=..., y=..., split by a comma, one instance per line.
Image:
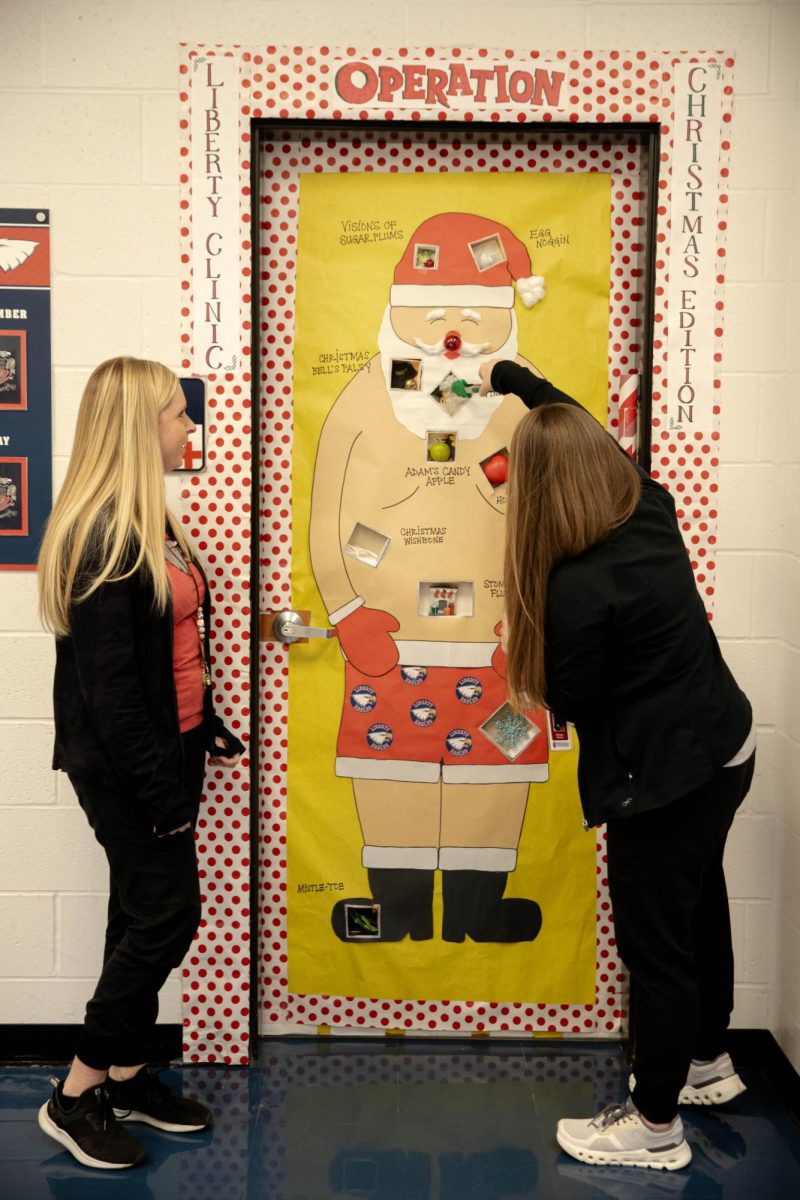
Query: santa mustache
x=466, y=349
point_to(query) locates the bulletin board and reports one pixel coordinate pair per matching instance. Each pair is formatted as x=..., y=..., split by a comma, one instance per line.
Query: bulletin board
x=25, y=388
x=268, y=134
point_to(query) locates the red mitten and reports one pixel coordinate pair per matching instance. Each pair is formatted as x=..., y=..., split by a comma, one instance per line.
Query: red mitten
x=364, y=637
x=499, y=655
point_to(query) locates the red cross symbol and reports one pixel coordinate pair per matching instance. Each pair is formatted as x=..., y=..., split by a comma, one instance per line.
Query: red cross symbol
x=191, y=456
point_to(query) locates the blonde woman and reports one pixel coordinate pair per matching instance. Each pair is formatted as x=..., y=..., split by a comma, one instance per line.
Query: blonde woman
x=604, y=625
x=128, y=603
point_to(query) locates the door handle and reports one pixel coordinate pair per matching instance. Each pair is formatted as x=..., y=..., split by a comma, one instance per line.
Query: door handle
x=289, y=627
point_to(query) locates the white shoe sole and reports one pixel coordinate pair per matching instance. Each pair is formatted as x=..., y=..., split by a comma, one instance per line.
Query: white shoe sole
x=60, y=1135
x=721, y=1091
x=130, y=1114
x=718, y=1092
x=660, y=1160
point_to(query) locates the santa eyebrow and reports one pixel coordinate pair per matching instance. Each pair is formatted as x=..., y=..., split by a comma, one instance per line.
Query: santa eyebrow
x=469, y=314
x=436, y=314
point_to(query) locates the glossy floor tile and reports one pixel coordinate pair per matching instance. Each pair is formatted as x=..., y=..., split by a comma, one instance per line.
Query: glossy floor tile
x=404, y=1121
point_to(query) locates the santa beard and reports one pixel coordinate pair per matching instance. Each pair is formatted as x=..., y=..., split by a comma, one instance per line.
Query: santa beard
x=416, y=410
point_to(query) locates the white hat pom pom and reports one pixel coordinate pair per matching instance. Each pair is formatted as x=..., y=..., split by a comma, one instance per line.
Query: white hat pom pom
x=531, y=289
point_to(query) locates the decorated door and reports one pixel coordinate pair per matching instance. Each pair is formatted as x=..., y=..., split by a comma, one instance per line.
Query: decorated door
x=439, y=876
x=360, y=230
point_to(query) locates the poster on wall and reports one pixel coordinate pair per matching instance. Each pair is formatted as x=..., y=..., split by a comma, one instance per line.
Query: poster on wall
x=194, y=452
x=435, y=843
x=25, y=419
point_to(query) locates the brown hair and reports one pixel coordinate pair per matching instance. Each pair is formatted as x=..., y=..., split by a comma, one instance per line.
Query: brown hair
x=569, y=487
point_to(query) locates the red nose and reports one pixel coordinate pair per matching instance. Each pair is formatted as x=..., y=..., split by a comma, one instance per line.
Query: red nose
x=452, y=343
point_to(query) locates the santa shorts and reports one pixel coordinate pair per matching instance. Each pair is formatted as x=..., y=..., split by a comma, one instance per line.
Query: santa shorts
x=422, y=724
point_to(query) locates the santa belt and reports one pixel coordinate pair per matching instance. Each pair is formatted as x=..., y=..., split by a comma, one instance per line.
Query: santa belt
x=445, y=654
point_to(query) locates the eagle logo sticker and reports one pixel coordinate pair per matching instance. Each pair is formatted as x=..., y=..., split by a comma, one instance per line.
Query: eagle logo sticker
x=423, y=713
x=379, y=737
x=469, y=689
x=459, y=742
x=363, y=698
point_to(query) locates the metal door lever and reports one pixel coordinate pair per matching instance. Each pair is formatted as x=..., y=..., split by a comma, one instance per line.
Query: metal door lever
x=289, y=627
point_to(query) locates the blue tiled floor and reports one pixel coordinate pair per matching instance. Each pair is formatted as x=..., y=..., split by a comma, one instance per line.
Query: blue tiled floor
x=404, y=1120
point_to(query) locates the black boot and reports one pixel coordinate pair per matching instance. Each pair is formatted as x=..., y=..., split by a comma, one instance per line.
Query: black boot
x=474, y=905
x=401, y=904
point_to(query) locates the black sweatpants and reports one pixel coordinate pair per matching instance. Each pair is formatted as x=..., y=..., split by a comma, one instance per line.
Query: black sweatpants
x=153, y=914
x=673, y=933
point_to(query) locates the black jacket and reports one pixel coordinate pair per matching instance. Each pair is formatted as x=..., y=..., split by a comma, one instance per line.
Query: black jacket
x=116, y=712
x=631, y=658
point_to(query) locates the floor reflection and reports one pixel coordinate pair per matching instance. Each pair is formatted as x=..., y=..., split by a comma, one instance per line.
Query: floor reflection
x=404, y=1121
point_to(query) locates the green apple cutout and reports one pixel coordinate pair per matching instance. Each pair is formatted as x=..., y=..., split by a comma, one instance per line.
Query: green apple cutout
x=439, y=451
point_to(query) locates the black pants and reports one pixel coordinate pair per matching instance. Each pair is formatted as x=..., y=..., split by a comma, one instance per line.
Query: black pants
x=153, y=914
x=673, y=933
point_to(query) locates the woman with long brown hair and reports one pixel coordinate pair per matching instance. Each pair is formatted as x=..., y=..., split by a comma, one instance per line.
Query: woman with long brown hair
x=124, y=594
x=604, y=626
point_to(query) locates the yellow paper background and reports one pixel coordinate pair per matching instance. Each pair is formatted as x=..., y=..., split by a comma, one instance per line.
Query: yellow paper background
x=342, y=290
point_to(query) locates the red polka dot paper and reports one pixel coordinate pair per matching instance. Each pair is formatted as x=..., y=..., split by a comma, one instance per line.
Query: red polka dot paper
x=216, y=972
x=279, y=83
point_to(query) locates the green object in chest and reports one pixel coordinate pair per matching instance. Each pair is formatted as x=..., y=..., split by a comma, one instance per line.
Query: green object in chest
x=464, y=390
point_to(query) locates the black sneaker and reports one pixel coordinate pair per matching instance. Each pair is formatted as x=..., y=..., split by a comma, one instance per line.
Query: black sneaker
x=88, y=1128
x=146, y=1098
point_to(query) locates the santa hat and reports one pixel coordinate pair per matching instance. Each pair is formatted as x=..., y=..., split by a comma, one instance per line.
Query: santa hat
x=460, y=260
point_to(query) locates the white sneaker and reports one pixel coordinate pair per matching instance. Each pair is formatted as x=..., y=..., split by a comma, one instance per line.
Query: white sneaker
x=713, y=1082
x=619, y=1137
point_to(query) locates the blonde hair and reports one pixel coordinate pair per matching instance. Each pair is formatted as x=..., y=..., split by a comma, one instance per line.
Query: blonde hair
x=110, y=516
x=569, y=487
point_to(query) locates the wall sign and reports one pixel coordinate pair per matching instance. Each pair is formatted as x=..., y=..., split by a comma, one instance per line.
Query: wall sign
x=453, y=85
x=215, y=185
x=25, y=420
x=194, y=453
x=693, y=259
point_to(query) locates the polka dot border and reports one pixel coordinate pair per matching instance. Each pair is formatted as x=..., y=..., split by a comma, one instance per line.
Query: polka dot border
x=283, y=82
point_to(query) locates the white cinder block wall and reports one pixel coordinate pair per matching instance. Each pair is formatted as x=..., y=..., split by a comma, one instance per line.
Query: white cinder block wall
x=89, y=102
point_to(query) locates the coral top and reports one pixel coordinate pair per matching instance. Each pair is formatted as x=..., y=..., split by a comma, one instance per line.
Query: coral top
x=188, y=593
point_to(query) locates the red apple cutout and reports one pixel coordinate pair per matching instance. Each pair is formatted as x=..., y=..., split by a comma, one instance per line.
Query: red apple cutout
x=496, y=469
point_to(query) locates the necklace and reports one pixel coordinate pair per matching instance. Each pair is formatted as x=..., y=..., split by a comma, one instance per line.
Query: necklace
x=172, y=552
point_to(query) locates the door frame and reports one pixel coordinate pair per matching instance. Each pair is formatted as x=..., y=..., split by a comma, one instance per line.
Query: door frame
x=649, y=134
